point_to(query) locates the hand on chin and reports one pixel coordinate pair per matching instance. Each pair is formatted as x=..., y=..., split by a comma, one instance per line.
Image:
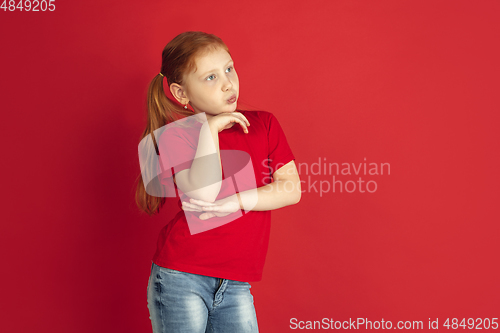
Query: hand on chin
x=228, y=126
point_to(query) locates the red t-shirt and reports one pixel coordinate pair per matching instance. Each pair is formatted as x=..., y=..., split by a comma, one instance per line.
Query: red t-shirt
x=235, y=250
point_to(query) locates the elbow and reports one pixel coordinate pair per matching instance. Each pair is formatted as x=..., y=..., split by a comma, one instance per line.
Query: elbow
x=204, y=190
x=212, y=192
x=300, y=196
x=209, y=197
x=297, y=194
x=294, y=195
x=296, y=198
x=207, y=194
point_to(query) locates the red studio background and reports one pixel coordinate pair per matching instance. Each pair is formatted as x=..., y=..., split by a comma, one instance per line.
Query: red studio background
x=407, y=87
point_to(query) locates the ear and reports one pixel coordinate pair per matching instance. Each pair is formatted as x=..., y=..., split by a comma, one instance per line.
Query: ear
x=179, y=93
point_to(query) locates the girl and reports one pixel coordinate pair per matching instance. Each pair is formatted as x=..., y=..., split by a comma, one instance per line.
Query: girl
x=200, y=276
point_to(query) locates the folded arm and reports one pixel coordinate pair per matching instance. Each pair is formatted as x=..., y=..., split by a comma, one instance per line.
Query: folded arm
x=284, y=191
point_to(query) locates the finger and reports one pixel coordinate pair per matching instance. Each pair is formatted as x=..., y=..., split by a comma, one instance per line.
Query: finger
x=221, y=214
x=206, y=216
x=236, y=117
x=246, y=120
x=242, y=123
x=191, y=207
x=243, y=117
x=212, y=209
x=201, y=202
x=187, y=209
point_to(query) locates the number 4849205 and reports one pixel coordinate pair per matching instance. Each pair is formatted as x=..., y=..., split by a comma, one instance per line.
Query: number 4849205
x=29, y=5
x=471, y=323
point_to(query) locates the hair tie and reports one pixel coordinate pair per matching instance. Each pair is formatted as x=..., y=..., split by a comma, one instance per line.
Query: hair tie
x=162, y=75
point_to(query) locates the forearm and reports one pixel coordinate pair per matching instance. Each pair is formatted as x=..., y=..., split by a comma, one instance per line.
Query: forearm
x=205, y=174
x=278, y=194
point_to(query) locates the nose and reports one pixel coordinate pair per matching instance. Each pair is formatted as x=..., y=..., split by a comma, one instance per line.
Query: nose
x=227, y=84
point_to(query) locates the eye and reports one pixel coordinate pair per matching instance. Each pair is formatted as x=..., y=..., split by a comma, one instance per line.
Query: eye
x=229, y=69
x=211, y=77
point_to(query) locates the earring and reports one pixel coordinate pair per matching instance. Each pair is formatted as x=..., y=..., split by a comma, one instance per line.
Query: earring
x=186, y=107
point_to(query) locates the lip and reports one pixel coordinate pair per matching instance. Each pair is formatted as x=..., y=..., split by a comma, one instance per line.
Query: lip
x=232, y=99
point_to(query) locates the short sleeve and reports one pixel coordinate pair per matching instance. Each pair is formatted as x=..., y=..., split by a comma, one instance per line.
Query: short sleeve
x=177, y=151
x=279, y=150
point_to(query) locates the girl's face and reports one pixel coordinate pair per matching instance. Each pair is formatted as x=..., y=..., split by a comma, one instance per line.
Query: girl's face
x=213, y=87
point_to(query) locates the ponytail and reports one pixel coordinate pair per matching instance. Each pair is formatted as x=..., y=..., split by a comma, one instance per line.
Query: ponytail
x=161, y=111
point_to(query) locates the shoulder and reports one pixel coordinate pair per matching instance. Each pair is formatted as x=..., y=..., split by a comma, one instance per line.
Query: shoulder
x=178, y=134
x=181, y=127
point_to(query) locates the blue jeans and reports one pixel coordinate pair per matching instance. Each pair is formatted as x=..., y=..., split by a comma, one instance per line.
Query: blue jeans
x=185, y=302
